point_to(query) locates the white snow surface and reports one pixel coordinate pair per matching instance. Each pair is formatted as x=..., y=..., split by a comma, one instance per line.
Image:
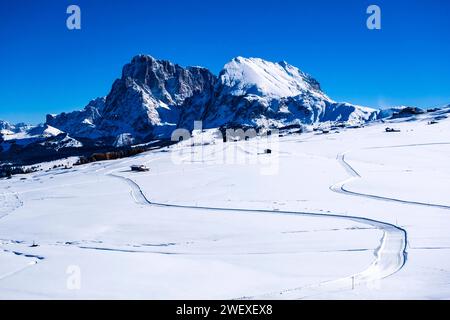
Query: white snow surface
x=359, y=214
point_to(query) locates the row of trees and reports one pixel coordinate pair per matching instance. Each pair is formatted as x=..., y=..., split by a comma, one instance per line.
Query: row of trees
x=111, y=155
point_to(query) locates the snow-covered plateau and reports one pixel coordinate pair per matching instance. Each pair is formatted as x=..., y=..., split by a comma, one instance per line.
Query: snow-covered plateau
x=344, y=213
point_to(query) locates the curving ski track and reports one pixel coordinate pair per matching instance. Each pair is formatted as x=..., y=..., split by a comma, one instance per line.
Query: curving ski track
x=390, y=256
x=340, y=186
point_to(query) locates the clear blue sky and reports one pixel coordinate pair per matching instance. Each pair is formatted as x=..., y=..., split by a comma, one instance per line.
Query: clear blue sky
x=45, y=68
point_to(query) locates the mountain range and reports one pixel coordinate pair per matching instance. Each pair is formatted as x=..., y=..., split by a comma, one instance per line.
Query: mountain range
x=154, y=97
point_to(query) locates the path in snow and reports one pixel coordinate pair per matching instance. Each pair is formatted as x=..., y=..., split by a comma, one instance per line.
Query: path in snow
x=340, y=186
x=390, y=255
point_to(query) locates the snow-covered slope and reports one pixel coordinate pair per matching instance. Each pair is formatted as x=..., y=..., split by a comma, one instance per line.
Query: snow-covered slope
x=32, y=133
x=34, y=144
x=7, y=128
x=255, y=92
x=320, y=217
x=256, y=76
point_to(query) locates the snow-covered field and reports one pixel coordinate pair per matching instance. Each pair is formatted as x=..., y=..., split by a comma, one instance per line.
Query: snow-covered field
x=357, y=214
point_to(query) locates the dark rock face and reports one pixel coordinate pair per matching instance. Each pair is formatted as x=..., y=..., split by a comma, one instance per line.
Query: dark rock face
x=147, y=102
x=407, y=112
x=166, y=81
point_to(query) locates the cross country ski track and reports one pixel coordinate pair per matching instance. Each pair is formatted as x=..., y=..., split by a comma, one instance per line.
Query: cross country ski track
x=340, y=186
x=390, y=255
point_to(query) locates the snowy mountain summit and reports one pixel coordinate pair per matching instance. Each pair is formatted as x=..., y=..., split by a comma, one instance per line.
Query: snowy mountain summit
x=263, y=78
x=258, y=93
